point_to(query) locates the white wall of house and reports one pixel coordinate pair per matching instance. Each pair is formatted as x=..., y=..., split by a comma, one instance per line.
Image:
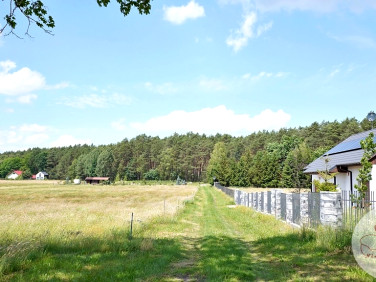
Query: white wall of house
x=12, y=176
x=343, y=179
x=39, y=176
x=355, y=173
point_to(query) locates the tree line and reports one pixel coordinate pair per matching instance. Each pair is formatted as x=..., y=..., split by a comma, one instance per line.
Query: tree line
x=262, y=159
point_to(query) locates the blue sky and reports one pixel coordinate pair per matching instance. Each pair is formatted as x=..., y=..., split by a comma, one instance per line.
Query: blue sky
x=227, y=66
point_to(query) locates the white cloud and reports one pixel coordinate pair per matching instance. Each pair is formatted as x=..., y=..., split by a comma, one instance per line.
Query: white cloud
x=212, y=84
x=239, y=38
x=361, y=42
x=24, y=136
x=60, y=85
x=19, y=82
x=96, y=101
x=19, y=85
x=179, y=14
x=119, y=125
x=263, y=74
x=334, y=72
x=36, y=138
x=33, y=128
x=26, y=99
x=212, y=121
x=163, y=89
x=261, y=29
x=9, y=110
x=69, y=140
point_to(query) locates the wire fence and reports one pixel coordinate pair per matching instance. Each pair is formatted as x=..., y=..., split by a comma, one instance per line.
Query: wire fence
x=354, y=209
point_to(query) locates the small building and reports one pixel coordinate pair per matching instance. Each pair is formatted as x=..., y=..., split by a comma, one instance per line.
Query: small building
x=96, y=179
x=41, y=175
x=15, y=174
x=344, y=159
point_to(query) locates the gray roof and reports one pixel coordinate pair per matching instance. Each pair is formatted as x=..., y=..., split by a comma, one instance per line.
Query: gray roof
x=346, y=158
x=345, y=153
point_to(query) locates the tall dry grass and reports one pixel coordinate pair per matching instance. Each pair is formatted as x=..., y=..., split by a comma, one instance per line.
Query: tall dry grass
x=34, y=215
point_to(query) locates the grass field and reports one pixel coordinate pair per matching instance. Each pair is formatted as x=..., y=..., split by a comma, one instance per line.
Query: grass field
x=205, y=240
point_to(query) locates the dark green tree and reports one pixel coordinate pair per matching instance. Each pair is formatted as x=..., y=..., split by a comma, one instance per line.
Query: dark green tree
x=219, y=165
x=8, y=165
x=152, y=174
x=104, y=165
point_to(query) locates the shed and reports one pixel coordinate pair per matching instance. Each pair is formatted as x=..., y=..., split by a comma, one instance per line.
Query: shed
x=96, y=179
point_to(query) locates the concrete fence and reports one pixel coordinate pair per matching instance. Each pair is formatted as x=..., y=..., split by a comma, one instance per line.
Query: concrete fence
x=298, y=209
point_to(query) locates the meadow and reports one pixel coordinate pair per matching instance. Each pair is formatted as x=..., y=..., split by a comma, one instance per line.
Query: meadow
x=63, y=233
x=36, y=214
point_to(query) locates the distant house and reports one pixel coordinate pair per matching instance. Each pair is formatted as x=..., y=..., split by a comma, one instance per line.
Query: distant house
x=34, y=176
x=41, y=175
x=96, y=180
x=14, y=174
x=345, y=160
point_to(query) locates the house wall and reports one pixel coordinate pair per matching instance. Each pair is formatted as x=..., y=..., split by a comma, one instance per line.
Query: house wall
x=343, y=179
x=355, y=173
x=13, y=176
x=40, y=176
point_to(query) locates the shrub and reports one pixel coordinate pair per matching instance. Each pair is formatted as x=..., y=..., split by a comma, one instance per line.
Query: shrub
x=324, y=186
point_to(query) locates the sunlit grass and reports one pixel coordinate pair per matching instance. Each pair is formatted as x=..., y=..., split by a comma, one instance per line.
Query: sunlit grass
x=208, y=239
x=39, y=216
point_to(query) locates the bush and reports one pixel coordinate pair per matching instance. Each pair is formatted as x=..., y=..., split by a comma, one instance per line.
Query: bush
x=152, y=174
x=324, y=186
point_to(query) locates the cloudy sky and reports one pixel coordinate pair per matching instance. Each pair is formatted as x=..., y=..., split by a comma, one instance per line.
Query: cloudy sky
x=227, y=66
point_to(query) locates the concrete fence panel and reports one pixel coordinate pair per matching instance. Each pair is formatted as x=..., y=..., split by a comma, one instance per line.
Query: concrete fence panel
x=298, y=209
x=272, y=201
x=259, y=201
x=255, y=201
x=331, y=208
x=289, y=207
x=304, y=216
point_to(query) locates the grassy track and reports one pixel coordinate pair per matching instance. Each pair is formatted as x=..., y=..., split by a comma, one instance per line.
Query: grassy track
x=205, y=241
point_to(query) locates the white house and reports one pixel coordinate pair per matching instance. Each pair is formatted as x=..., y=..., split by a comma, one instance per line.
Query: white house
x=345, y=160
x=41, y=175
x=14, y=174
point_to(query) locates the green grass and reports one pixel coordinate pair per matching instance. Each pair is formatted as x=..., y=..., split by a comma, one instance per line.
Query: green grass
x=205, y=241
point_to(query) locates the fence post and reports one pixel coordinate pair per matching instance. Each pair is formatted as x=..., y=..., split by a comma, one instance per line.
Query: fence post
x=331, y=208
x=272, y=202
x=266, y=202
x=259, y=201
x=236, y=197
x=255, y=201
x=304, y=216
x=289, y=207
x=278, y=193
